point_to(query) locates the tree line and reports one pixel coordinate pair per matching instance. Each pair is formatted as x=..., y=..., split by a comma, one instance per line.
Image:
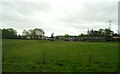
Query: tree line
x=99, y=33
x=10, y=33
x=37, y=33
x=33, y=33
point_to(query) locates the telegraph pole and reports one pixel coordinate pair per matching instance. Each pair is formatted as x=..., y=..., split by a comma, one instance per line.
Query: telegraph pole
x=110, y=24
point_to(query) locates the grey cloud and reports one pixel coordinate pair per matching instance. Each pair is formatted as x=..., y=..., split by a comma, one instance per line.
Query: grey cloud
x=19, y=15
x=60, y=18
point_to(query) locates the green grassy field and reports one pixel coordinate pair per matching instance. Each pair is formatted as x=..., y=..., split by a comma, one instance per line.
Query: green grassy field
x=27, y=56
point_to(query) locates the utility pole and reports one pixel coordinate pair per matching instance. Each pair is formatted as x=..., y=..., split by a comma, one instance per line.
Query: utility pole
x=110, y=24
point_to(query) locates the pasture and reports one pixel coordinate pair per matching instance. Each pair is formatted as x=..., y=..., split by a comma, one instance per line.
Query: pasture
x=59, y=56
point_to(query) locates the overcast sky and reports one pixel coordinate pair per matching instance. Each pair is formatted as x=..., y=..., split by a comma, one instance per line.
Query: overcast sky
x=71, y=17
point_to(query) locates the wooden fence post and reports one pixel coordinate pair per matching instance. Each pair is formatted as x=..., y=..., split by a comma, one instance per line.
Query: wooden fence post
x=90, y=59
x=44, y=58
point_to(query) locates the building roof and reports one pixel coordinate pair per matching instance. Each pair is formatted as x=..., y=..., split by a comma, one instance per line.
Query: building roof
x=116, y=37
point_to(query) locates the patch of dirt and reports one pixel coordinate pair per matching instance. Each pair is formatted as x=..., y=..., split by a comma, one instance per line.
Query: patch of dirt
x=12, y=61
x=3, y=63
x=77, y=63
x=105, y=66
x=38, y=63
x=33, y=67
x=80, y=65
x=93, y=70
x=97, y=62
x=59, y=64
x=106, y=63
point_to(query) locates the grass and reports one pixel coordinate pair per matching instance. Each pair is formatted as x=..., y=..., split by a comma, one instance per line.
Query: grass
x=60, y=56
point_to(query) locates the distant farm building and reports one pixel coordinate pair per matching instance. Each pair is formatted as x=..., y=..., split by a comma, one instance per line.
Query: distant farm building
x=116, y=37
x=92, y=38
